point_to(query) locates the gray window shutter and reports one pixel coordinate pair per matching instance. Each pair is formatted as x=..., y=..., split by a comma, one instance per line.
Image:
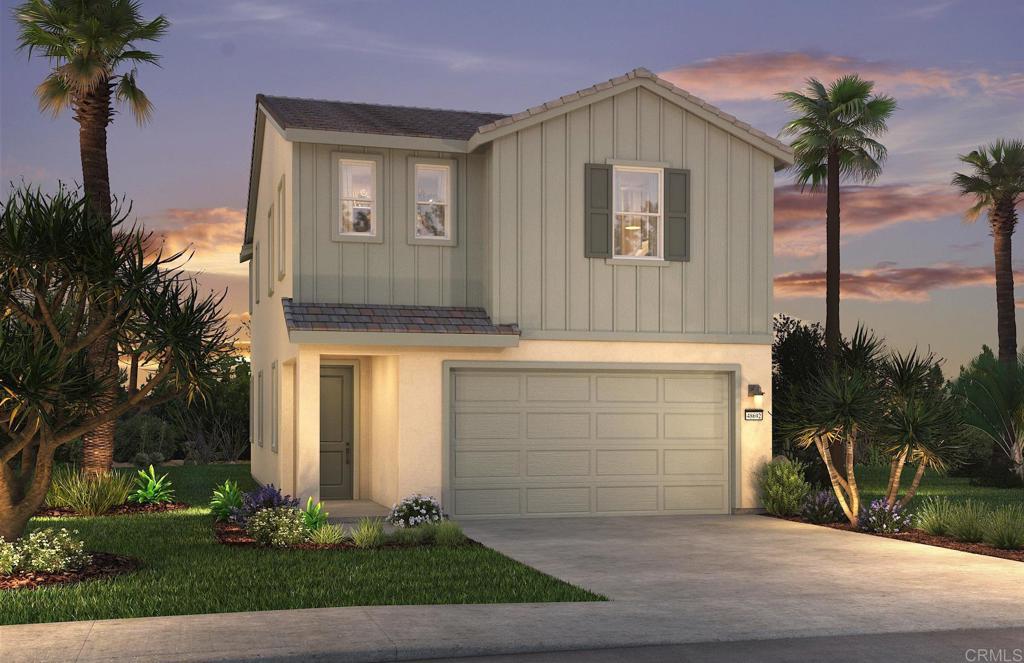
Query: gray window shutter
x=677, y=214
x=597, y=206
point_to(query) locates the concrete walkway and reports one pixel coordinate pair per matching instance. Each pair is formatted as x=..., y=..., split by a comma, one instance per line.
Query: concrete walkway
x=672, y=581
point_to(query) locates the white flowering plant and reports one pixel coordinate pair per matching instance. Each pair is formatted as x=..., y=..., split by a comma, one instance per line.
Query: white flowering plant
x=280, y=527
x=416, y=510
x=43, y=551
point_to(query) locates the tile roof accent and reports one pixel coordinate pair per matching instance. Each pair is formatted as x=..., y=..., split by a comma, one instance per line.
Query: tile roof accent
x=391, y=318
x=319, y=114
x=639, y=72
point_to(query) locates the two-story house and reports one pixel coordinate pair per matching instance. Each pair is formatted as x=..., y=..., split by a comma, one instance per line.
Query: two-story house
x=565, y=311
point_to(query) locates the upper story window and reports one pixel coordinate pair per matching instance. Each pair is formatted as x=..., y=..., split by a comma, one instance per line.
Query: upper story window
x=637, y=228
x=433, y=194
x=358, y=197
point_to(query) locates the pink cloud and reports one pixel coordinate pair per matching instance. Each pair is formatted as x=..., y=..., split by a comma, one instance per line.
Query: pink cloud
x=212, y=234
x=886, y=282
x=751, y=76
x=800, y=216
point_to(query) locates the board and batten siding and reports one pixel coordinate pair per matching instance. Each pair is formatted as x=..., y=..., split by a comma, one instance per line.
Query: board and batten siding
x=393, y=271
x=539, y=276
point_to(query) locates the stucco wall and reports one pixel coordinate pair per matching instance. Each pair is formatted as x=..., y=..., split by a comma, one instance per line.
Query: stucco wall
x=403, y=435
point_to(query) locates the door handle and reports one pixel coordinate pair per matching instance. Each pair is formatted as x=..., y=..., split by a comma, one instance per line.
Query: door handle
x=348, y=453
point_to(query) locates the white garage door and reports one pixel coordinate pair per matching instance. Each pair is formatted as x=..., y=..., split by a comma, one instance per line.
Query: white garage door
x=546, y=443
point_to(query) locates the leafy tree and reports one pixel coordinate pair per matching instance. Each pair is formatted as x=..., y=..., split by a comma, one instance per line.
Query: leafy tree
x=93, y=48
x=835, y=139
x=64, y=288
x=996, y=182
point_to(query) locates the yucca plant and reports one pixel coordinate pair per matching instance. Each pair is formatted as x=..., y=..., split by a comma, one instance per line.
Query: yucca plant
x=151, y=490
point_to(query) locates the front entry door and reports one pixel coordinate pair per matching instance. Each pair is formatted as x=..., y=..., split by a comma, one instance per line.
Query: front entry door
x=336, y=432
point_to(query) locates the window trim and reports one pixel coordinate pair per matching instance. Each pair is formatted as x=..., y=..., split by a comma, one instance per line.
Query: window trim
x=256, y=270
x=660, y=172
x=271, y=240
x=274, y=403
x=259, y=408
x=282, y=235
x=452, y=219
x=379, y=207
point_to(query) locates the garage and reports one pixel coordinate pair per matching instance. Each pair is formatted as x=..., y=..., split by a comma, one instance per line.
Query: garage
x=546, y=442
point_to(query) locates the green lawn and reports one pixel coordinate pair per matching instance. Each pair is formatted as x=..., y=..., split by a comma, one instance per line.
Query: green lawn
x=872, y=482
x=185, y=571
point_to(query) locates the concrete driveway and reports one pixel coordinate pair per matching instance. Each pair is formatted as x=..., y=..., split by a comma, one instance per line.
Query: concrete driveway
x=726, y=575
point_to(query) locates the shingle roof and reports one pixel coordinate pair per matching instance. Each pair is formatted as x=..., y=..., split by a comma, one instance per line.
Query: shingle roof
x=291, y=112
x=300, y=316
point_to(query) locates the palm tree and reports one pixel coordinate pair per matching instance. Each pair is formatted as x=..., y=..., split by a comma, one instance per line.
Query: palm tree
x=836, y=129
x=997, y=184
x=91, y=45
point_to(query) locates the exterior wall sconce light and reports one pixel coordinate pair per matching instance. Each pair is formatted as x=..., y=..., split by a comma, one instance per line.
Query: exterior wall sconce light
x=755, y=392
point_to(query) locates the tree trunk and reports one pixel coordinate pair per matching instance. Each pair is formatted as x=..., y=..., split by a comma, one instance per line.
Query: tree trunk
x=914, y=485
x=93, y=113
x=833, y=337
x=1003, y=219
x=22, y=495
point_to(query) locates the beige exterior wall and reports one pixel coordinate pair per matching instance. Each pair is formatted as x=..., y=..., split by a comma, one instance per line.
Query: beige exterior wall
x=269, y=336
x=400, y=438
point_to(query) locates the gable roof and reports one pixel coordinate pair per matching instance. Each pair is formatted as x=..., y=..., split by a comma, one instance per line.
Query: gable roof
x=322, y=115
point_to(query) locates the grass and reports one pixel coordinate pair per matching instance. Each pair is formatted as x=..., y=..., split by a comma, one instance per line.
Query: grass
x=185, y=571
x=872, y=481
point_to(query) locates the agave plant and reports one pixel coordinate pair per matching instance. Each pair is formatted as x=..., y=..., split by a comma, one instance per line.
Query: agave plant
x=150, y=489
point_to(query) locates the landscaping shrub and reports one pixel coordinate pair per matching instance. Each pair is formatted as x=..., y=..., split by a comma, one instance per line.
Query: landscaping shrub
x=368, y=533
x=448, y=534
x=933, y=516
x=413, y=536
x=88, y=495
x=43, y=551
x=279, y=527
x=1004, y=528
x=145, y=439
x=226, y=499
x=328, y=534
x=821, y=507
x=258, y=499
x=782, y=485
x=151, y=490
x=416, y=510
x=967, y=521
x=314, y=515
x=882, y=518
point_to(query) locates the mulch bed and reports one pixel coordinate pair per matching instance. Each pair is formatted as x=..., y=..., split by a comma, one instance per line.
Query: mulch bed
x=231, y=534
x=917, y=536
x=103, y=565
x=123, y=510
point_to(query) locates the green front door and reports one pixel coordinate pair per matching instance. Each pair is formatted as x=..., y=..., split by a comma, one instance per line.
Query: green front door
x=336, y=432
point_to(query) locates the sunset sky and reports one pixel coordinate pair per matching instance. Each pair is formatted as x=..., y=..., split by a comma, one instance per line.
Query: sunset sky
x=913, y=270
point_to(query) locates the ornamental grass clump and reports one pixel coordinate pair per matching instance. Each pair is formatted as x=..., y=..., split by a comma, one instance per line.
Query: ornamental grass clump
x=416, y=510
x=448, y=534
x=933, y=516
x=279, y=527
x=967, y=521
x=328, y=534
x=884, y=518
x=368, y=533
x=88, y=494
x=821, y=507
x=43, y=551
x=782, y=486
x=1005, y=528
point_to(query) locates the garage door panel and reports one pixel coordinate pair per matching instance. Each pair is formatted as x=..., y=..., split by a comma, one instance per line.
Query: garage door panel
x=613, y=499
x=487, y=425
x=561, y=388
x=634, y=389
x=557, y=425
x=621, y=462
x=695, y=461
x=532, y=442
x=680, y=426
x=487, y=388
x=558, y=500
x=628, y=425
x=482, y=464
x=702, y=498
x=563, y=463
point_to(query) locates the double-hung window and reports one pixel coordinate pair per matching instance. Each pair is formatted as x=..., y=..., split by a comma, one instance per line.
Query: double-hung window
x=637, y=228
x=358, y=189
x=432, y=213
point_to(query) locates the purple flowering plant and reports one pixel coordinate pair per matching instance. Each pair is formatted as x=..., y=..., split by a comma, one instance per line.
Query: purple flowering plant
x=258, y=499
x=884, y=519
